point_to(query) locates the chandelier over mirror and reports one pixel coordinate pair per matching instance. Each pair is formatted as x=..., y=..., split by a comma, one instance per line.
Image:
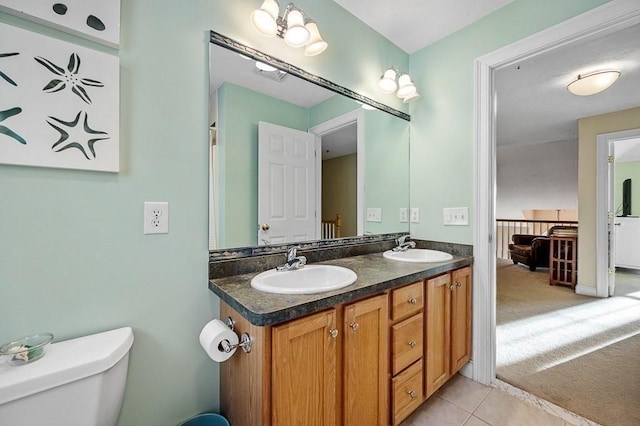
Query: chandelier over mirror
x=294, y=27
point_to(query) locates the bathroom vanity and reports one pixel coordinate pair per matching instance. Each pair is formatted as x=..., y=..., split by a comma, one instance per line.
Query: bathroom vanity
x=370, y=353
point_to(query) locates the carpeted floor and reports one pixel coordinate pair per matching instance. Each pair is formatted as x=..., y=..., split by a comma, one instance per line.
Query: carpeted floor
x=578, y=352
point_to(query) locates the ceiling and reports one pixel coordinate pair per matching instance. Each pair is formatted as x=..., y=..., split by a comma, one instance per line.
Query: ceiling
x=414, y=24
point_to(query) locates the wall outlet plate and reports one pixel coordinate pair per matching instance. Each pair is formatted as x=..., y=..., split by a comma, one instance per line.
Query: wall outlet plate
x=374, y=214
x=404, y=215
x=156, y=217
x=415, y=215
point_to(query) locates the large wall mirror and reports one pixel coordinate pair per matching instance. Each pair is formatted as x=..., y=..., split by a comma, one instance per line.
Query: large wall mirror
x=297, y=158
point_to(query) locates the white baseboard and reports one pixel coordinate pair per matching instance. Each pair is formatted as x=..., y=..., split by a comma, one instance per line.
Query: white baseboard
x=586, y=290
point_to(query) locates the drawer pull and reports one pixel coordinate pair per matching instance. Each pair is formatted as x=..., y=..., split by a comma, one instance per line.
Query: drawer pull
x=412, y=344
x=354, y=326
x=412, y=301
x=412, y=394
x=333, y=332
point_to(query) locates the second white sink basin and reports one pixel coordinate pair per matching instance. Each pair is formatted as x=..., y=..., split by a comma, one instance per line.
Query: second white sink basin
x=418, y=255
x=307, y=280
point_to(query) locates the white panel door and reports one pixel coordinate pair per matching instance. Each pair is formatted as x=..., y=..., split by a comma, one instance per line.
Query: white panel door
x=286, y=185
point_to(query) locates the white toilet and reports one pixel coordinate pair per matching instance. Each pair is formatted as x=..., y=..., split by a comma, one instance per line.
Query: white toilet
x=77, y=382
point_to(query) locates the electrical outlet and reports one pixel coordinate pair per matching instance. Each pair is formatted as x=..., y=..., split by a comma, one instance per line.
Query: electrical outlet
x=415, y=215
x=156, y=217
x=374, y=214
x=404, y=215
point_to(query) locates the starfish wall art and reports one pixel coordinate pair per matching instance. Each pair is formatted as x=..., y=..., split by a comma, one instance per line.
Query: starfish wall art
x=59, y=103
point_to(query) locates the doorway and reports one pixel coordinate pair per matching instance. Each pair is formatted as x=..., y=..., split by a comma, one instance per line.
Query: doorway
x=328, y=137
x=608, y=18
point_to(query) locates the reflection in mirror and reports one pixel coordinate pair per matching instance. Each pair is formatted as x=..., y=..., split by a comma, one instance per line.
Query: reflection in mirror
x=292, y=161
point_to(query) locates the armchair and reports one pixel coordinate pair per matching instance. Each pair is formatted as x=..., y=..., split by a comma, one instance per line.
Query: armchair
x=531, y=250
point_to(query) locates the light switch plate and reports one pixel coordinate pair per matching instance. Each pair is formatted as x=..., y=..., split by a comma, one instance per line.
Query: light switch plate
x=415, y=215
x=374, y=214
x=455, y=216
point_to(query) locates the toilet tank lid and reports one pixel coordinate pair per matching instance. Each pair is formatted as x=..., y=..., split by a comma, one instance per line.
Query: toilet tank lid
x=65, y=362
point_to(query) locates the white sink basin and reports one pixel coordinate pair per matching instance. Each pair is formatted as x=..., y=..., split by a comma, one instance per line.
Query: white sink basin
x=417, y=255
x=307, y=280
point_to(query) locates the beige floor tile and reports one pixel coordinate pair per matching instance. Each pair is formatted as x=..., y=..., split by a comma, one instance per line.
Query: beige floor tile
x=437, y=411
x=463, y=392
x=501, y=409
x=474, y=421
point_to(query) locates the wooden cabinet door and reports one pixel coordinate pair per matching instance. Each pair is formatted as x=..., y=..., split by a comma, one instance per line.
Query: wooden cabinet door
x=438, y=333
x=366, y=362
x=304, y=377
x=460, y=318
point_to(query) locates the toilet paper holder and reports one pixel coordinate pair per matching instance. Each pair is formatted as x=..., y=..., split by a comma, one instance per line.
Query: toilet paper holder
x=245, y=339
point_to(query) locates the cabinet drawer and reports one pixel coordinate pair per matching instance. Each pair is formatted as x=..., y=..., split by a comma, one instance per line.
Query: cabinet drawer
x=407, y=338
x=407, y=300
x=407, y=392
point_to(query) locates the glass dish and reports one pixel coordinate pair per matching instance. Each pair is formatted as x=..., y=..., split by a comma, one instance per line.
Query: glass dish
x=26, y=349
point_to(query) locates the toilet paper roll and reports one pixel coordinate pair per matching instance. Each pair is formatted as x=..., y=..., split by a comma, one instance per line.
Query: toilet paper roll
x=213, y=333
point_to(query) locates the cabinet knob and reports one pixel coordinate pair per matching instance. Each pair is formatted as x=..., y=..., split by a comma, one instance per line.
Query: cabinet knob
x=412, y=301
x=458, y=284
x=452, y=287
x=412, y=394
x=333, y=332
x=354, y=326
x=412, y=344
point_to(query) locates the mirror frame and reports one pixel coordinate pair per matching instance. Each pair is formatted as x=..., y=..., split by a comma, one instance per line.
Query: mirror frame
x=231, y=44
x=224, y=254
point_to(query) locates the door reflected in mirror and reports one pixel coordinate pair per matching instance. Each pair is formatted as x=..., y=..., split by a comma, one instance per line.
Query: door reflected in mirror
x=269, y=187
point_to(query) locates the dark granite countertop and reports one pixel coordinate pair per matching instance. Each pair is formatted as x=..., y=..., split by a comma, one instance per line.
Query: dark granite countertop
x=375, y=275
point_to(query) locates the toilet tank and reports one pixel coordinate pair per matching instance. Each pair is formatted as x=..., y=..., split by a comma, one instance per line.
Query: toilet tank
x=78, y=382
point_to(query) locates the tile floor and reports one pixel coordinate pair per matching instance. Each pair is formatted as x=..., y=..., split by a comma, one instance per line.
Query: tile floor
x=463, y=402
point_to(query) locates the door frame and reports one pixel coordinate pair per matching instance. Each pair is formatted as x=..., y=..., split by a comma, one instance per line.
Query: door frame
x=609, y=17
x=603, y=192
x=357, y=117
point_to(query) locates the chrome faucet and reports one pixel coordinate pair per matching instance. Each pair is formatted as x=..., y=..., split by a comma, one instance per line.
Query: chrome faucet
x=403, y=244
x=293, y=260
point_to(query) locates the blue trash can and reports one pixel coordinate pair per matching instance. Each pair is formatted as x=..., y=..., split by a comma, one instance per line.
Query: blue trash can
x=207, y=419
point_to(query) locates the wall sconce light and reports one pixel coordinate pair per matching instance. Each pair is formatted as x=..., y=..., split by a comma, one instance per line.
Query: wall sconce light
x=590, y=84
x=293, y=26
x=393, y=79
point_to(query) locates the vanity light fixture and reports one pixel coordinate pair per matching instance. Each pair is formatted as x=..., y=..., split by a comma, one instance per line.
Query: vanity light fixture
x=590, y=84
x=293, y=26
x=393, y=79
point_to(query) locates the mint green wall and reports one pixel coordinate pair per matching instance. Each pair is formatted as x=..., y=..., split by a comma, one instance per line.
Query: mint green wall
x=331, y=108
x=239, y=111
x=442, y=132
x=628, y=169
x=74, y=260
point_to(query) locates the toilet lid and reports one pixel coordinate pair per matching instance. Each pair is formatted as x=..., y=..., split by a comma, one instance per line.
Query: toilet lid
x=65, y=362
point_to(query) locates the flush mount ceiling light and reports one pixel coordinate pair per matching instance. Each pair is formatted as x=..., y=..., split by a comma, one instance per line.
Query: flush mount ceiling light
x=393, y=79
x=590, y=84
x=293, y=26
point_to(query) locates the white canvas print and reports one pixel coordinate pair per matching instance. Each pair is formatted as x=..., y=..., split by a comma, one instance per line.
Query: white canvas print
x=59, y=103
x=97, y=20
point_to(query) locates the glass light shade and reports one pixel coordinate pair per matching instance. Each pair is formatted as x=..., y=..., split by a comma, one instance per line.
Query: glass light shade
x=265, y=67
x=265, y=19
x=406, y=87
x=296, y=35
x=410, y=98
x=316, y=45
x=387, y=83
x=591, y=84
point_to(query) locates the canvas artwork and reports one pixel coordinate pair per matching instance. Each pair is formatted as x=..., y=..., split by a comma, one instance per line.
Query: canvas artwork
x=97, y=20
x=59, y=103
